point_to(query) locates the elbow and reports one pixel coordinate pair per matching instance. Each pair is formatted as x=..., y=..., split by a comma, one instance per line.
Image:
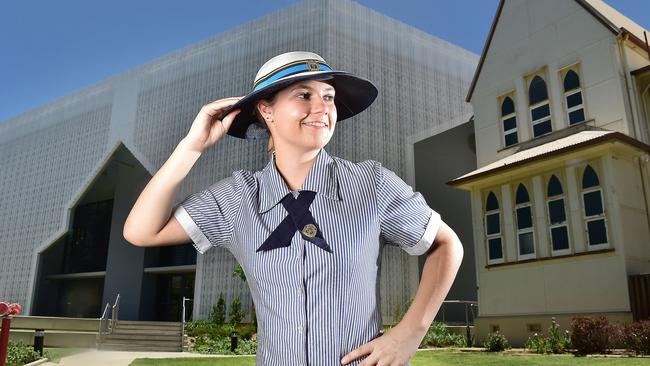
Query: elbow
x=129, y=237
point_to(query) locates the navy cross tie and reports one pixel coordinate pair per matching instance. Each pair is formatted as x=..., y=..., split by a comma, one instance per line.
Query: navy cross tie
x=299, y=218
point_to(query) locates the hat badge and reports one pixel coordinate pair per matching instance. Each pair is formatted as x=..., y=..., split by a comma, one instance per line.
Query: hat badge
x=312, y=66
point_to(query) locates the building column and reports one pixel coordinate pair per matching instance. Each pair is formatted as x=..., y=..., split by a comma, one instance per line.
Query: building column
x=574, y=216
x=509, y=231
x=540, y=219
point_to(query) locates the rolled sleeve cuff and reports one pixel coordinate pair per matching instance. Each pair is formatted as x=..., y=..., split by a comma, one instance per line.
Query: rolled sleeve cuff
x=200, y=241
x=428, y=237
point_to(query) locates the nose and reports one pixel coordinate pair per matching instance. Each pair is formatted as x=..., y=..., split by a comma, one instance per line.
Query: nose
x=319, y=105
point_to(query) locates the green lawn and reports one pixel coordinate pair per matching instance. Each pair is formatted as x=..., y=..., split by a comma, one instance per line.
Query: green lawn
x=437, y=357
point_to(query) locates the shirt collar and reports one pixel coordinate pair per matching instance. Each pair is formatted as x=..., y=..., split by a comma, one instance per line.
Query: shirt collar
x=320, y=179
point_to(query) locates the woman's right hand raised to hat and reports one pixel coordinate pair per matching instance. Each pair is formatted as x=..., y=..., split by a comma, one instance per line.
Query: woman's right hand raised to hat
x=206, y=129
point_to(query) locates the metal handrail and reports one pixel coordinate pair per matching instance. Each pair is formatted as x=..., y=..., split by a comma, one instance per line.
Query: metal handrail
x=183, y=321
x=472, y=305
x=103, y=322
x=116, y=310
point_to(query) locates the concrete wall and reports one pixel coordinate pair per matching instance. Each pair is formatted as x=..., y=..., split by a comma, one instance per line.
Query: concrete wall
x=516, y=328
x=438, y=159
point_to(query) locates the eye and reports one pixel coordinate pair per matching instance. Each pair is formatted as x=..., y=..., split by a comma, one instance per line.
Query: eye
x=329, y=98
x=300, y=95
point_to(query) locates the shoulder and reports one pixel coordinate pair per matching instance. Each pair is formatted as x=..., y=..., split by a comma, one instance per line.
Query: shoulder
x=345, y=166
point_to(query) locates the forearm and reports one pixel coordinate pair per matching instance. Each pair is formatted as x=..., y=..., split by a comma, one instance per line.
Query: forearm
x=152, y=209
x=440, y=269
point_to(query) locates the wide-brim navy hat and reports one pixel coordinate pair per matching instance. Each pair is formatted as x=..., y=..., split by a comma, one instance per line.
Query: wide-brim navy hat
x=353, y=93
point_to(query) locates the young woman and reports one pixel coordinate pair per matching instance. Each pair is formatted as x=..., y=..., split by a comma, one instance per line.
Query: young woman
x=309, y=228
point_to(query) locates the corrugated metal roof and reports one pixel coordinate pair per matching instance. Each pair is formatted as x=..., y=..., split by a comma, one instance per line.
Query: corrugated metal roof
x=535, y=152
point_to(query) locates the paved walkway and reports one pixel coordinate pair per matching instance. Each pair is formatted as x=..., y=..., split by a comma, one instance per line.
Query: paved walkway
x=118, y=358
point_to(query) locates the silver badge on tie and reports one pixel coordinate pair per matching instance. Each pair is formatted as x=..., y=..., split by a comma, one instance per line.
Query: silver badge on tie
x=309, y=230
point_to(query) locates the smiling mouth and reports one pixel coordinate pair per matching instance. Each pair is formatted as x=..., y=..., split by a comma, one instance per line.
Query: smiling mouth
x=315, y=124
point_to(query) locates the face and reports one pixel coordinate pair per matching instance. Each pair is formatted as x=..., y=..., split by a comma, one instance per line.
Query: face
x=303, y=115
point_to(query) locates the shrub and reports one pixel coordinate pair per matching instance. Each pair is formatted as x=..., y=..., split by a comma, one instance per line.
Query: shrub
x=617, y=335
x=245, y=331
x=191, y=325
x=495, y=342
x=236, y=313
x=557, y=342
x=218, y=313
x=19, y=353
x=221, y=345
x=637, y=337
x=590, y=334
x=538, y=344
x=438, y=335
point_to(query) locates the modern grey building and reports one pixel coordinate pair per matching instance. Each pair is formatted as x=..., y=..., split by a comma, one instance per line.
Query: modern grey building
x=71, y=170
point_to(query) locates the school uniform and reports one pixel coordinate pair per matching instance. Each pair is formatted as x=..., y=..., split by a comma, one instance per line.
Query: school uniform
x=313, y=266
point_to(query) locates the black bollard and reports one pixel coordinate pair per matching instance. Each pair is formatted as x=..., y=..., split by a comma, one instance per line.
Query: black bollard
x=39, y=337
x=233, y=341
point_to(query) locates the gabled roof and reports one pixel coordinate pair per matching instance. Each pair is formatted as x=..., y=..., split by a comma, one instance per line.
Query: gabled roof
x=560, y=146
x=605, y=14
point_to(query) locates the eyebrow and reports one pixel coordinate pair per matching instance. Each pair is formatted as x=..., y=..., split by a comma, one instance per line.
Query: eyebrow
x=309, y=87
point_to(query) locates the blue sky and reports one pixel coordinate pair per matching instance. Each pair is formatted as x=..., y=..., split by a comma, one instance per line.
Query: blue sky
x=52, y=48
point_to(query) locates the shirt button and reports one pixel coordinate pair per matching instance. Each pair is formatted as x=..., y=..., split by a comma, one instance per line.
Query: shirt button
x=309, y=230
x=300, y=328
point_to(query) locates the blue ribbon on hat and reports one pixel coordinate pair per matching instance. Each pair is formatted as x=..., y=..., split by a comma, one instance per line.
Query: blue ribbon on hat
x=299, y=218
x=289, y=70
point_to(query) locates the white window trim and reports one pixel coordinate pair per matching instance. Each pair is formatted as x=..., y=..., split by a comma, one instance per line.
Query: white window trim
x=524, y=231
x=510, y=131
x=556, y=225
x=541, y=120
x=587, y=219
x=575, y=108
x=493, y=236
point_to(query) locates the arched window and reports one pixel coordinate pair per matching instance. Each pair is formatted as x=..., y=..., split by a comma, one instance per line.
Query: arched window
x=525, y=231
x=509, y=122
x=493, y=229
x=540, y=108
x=593, y=210
x=573, y=96
x=557, y=222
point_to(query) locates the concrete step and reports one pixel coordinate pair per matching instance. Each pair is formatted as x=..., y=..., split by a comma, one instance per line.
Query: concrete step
x=176, y=332
x=144, y=337
x=135, y=347
x=153, y=343
x=138, y=322
x=130, y=335
x=146, y=326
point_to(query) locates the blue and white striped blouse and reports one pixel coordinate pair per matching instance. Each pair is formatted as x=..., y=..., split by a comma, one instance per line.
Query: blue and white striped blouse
x=313, y=307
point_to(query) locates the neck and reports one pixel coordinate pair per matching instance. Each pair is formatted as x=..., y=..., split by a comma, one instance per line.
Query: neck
x=295, y=165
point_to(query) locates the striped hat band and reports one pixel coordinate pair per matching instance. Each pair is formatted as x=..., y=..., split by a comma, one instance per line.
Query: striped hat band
x=290, y=69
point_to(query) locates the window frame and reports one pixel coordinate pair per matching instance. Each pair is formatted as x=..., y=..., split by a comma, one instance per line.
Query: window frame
x=551, y=226
x=529, y=78
x=566, y=94
x=499, y=235
x=602, y=216
x=531, y=229
x=502, y=118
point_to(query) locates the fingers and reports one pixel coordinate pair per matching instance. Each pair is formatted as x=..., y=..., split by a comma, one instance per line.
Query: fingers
x=361, y=351
x=227, y=120
x=212, y=109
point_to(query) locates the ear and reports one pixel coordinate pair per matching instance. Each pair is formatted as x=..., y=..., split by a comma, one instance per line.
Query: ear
x=264, y=108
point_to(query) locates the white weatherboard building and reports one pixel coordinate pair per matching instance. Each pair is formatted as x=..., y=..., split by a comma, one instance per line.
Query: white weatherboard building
x=561, y=196
x=71, y=170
